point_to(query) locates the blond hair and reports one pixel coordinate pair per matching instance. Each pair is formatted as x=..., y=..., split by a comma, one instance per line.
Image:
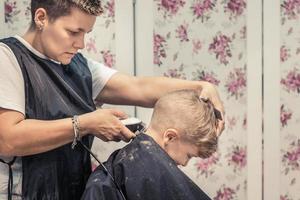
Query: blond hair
x=192, y=116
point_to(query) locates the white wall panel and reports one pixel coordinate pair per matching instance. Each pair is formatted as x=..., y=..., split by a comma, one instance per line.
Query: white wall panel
x=144, y=47
x=254, y=114
x=124, y=43
x=271, y=116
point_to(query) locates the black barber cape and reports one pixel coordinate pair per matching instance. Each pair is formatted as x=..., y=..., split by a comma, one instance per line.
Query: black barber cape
x=144, y=171
x=54, y=91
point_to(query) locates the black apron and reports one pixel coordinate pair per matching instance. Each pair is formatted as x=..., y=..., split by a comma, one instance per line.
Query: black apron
x=143, y=171
x=54, y=91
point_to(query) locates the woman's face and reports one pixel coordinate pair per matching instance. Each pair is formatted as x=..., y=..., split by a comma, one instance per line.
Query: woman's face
x=61, y=39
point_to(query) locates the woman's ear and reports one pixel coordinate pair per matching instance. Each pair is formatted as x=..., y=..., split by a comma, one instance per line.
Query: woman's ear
x=170, y=135
x=40, y=18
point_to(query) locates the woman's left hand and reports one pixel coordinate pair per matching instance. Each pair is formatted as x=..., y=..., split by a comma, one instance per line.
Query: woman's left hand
x=210, y=92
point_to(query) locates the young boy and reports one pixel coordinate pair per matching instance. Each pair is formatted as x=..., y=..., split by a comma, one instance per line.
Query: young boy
x=182, y=126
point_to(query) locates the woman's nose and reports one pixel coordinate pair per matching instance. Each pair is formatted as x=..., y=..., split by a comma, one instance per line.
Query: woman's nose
x=79, y=43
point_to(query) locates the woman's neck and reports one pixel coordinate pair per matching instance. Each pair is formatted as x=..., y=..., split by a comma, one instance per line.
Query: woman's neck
x=33, y=38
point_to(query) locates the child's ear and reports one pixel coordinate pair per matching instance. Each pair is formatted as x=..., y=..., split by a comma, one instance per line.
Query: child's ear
x=170, y=135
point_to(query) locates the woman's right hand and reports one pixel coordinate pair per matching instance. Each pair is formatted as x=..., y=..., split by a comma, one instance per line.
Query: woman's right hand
x=106, y=125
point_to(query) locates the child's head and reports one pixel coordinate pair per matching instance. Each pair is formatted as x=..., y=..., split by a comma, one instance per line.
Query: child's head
x=184, y=126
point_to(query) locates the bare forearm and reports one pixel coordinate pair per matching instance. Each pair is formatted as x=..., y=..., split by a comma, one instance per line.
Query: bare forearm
x=142, y=91
x=34, y=136
x=20, y=137
x=155, y=87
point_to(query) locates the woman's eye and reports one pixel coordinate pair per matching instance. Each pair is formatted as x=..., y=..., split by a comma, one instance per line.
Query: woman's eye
x=73, y=32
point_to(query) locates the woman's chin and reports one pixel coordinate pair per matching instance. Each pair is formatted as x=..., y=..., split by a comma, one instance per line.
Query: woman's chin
x=65, y=61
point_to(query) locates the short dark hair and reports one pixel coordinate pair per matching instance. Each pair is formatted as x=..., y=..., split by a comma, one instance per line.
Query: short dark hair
x=59, y=8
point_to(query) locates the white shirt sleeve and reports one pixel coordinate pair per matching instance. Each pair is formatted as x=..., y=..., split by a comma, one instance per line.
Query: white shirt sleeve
x=12, y=93
x=100, y=75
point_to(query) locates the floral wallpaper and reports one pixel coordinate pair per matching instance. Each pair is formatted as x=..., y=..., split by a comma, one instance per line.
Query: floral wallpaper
x=100, y=44
x=290, y=100
x=206, y=40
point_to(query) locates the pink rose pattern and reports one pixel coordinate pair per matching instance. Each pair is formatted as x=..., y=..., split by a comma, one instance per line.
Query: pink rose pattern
x=237, y=158
x=285, y=115
x=236, y=83
x=290, y=9
x=235, y=7
x=169, y=7
x=205, y=167
x=291, y=158
x=202, y=75
x=225, y=193
x=108, y=58
x=182, y=32
x=202, y=9
x=291, y=82
x=221, y=48
x=159, y=48
x=11, y=10
x=290, y=89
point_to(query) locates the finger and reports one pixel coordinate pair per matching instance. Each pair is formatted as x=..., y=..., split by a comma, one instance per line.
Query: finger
x=220, y=127
x=204, y=98
x=127, y=134
x=118, y=113
x=108, y=138
x=218, y=114
x=104, y=139
x=221, y=112
x=117, y=139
